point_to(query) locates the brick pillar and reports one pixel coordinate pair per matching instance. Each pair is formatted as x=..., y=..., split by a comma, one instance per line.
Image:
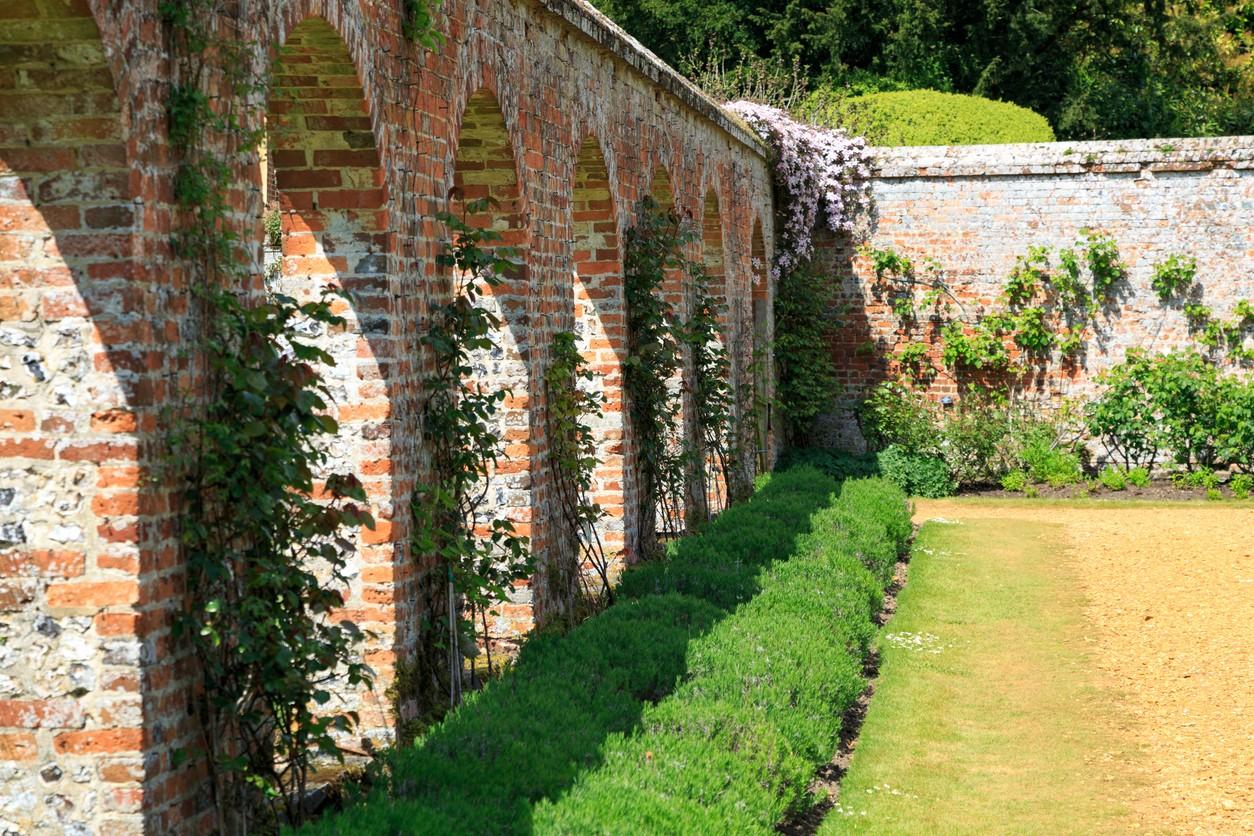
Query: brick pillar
x=73, y=343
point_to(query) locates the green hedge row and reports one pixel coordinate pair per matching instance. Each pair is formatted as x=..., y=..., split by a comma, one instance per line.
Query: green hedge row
x=927, y=117
x=761, y=706
x=528, y=735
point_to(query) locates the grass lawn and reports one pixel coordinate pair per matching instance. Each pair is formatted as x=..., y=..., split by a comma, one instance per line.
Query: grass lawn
x=985, y=718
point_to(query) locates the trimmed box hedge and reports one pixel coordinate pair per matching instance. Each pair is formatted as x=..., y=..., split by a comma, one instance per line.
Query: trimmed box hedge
x=766, y=690
x=529, y=735
x=927, y=117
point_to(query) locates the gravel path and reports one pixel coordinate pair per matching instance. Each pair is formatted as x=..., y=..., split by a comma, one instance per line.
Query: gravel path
x=1169, y=591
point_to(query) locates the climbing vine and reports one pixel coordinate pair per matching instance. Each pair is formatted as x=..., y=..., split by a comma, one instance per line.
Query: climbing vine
x=264, y=530
x=571, y=406
x=1051, y=305
x=653, y=249
x=711, y=395
x=478, y=559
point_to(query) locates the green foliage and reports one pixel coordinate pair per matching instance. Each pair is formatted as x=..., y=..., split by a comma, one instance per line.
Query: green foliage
x=266, y=563
x=1105, y=69
x=1122, y=417
x=1033, y=333
x=1113, y=478
x=1105, y=265
x=981, y=348
x=734, y=747
x=1173, y=276
x=926, y=117
x=807, y=377
x=1241, y=485
x=1015, y=480
x=917, y=474
x=1046, y=460
x=570, y=408
x=654, y=247
x=273, y=223
x=418, y=20
x=530, y=734
x=896, y=414
x=711, y=393
x=459, y=428
x=982, y=436
x=1177, y=402
x=1190, y=399
x=1030, y=273
x=1139, y=477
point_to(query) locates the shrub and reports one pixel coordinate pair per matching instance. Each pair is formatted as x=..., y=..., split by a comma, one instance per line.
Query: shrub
x=1122, y=417
x=918, y=474
x=1046, y=462
x=1015, y=480
x=1191, y=400
x=734, y=747
x=981, y=437
x=527, y=735
x=1113, y=478
x=927, y=117
x=897, y=415
x=1139, y=477
x=1241, y=485
x=835, y=463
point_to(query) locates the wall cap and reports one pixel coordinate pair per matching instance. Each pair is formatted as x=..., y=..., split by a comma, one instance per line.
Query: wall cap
x=609, y=35
x=1070, y=158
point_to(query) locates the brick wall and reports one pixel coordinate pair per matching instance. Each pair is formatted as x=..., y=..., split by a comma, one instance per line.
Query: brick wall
x=976, y=208
x=544, y=104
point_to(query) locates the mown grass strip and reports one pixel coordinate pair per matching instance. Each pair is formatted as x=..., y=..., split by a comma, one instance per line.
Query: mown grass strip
x=762, y=702
x=986, y=717
x=527, y=736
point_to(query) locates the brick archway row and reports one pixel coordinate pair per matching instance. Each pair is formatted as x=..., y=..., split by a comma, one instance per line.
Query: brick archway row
x=95, y=322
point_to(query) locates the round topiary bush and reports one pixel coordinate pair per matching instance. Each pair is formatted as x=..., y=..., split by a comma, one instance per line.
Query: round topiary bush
x=927, y=117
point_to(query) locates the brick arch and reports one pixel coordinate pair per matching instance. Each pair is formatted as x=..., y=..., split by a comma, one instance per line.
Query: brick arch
x=485, y=168
x=75, y=380
x=322, y=175
x=600, y=322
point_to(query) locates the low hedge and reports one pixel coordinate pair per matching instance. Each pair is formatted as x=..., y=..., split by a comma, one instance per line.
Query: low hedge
x=528, y=735
x=918, y=474
x=927, y=117
x=733, y=749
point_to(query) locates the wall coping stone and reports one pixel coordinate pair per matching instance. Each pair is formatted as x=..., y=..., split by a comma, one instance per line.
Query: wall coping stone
x=1126, y=156
x=609, y=35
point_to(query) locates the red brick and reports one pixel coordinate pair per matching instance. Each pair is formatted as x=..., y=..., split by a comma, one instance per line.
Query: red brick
x=18, y=746
x=92, y=594
x=98, y=741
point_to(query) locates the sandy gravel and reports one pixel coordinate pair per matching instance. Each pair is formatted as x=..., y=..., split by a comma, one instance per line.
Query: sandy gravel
x=1170, y=614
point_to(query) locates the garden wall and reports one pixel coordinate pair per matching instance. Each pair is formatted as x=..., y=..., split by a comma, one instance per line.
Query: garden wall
x=567, y=122
x=976, y=208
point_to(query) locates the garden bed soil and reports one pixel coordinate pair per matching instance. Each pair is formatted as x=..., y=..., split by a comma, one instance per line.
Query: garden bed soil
x=1160, y=490
x=1169, y=612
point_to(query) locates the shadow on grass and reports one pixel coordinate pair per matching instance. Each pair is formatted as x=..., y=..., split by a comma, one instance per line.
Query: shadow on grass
x=527, y=736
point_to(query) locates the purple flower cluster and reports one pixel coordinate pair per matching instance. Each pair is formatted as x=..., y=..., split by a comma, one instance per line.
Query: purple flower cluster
x=823, y=176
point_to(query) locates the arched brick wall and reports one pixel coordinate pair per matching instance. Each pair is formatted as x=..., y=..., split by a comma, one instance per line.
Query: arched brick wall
x=557, y=71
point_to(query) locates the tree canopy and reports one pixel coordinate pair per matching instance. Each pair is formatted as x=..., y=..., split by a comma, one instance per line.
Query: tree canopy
x=1094, y=68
